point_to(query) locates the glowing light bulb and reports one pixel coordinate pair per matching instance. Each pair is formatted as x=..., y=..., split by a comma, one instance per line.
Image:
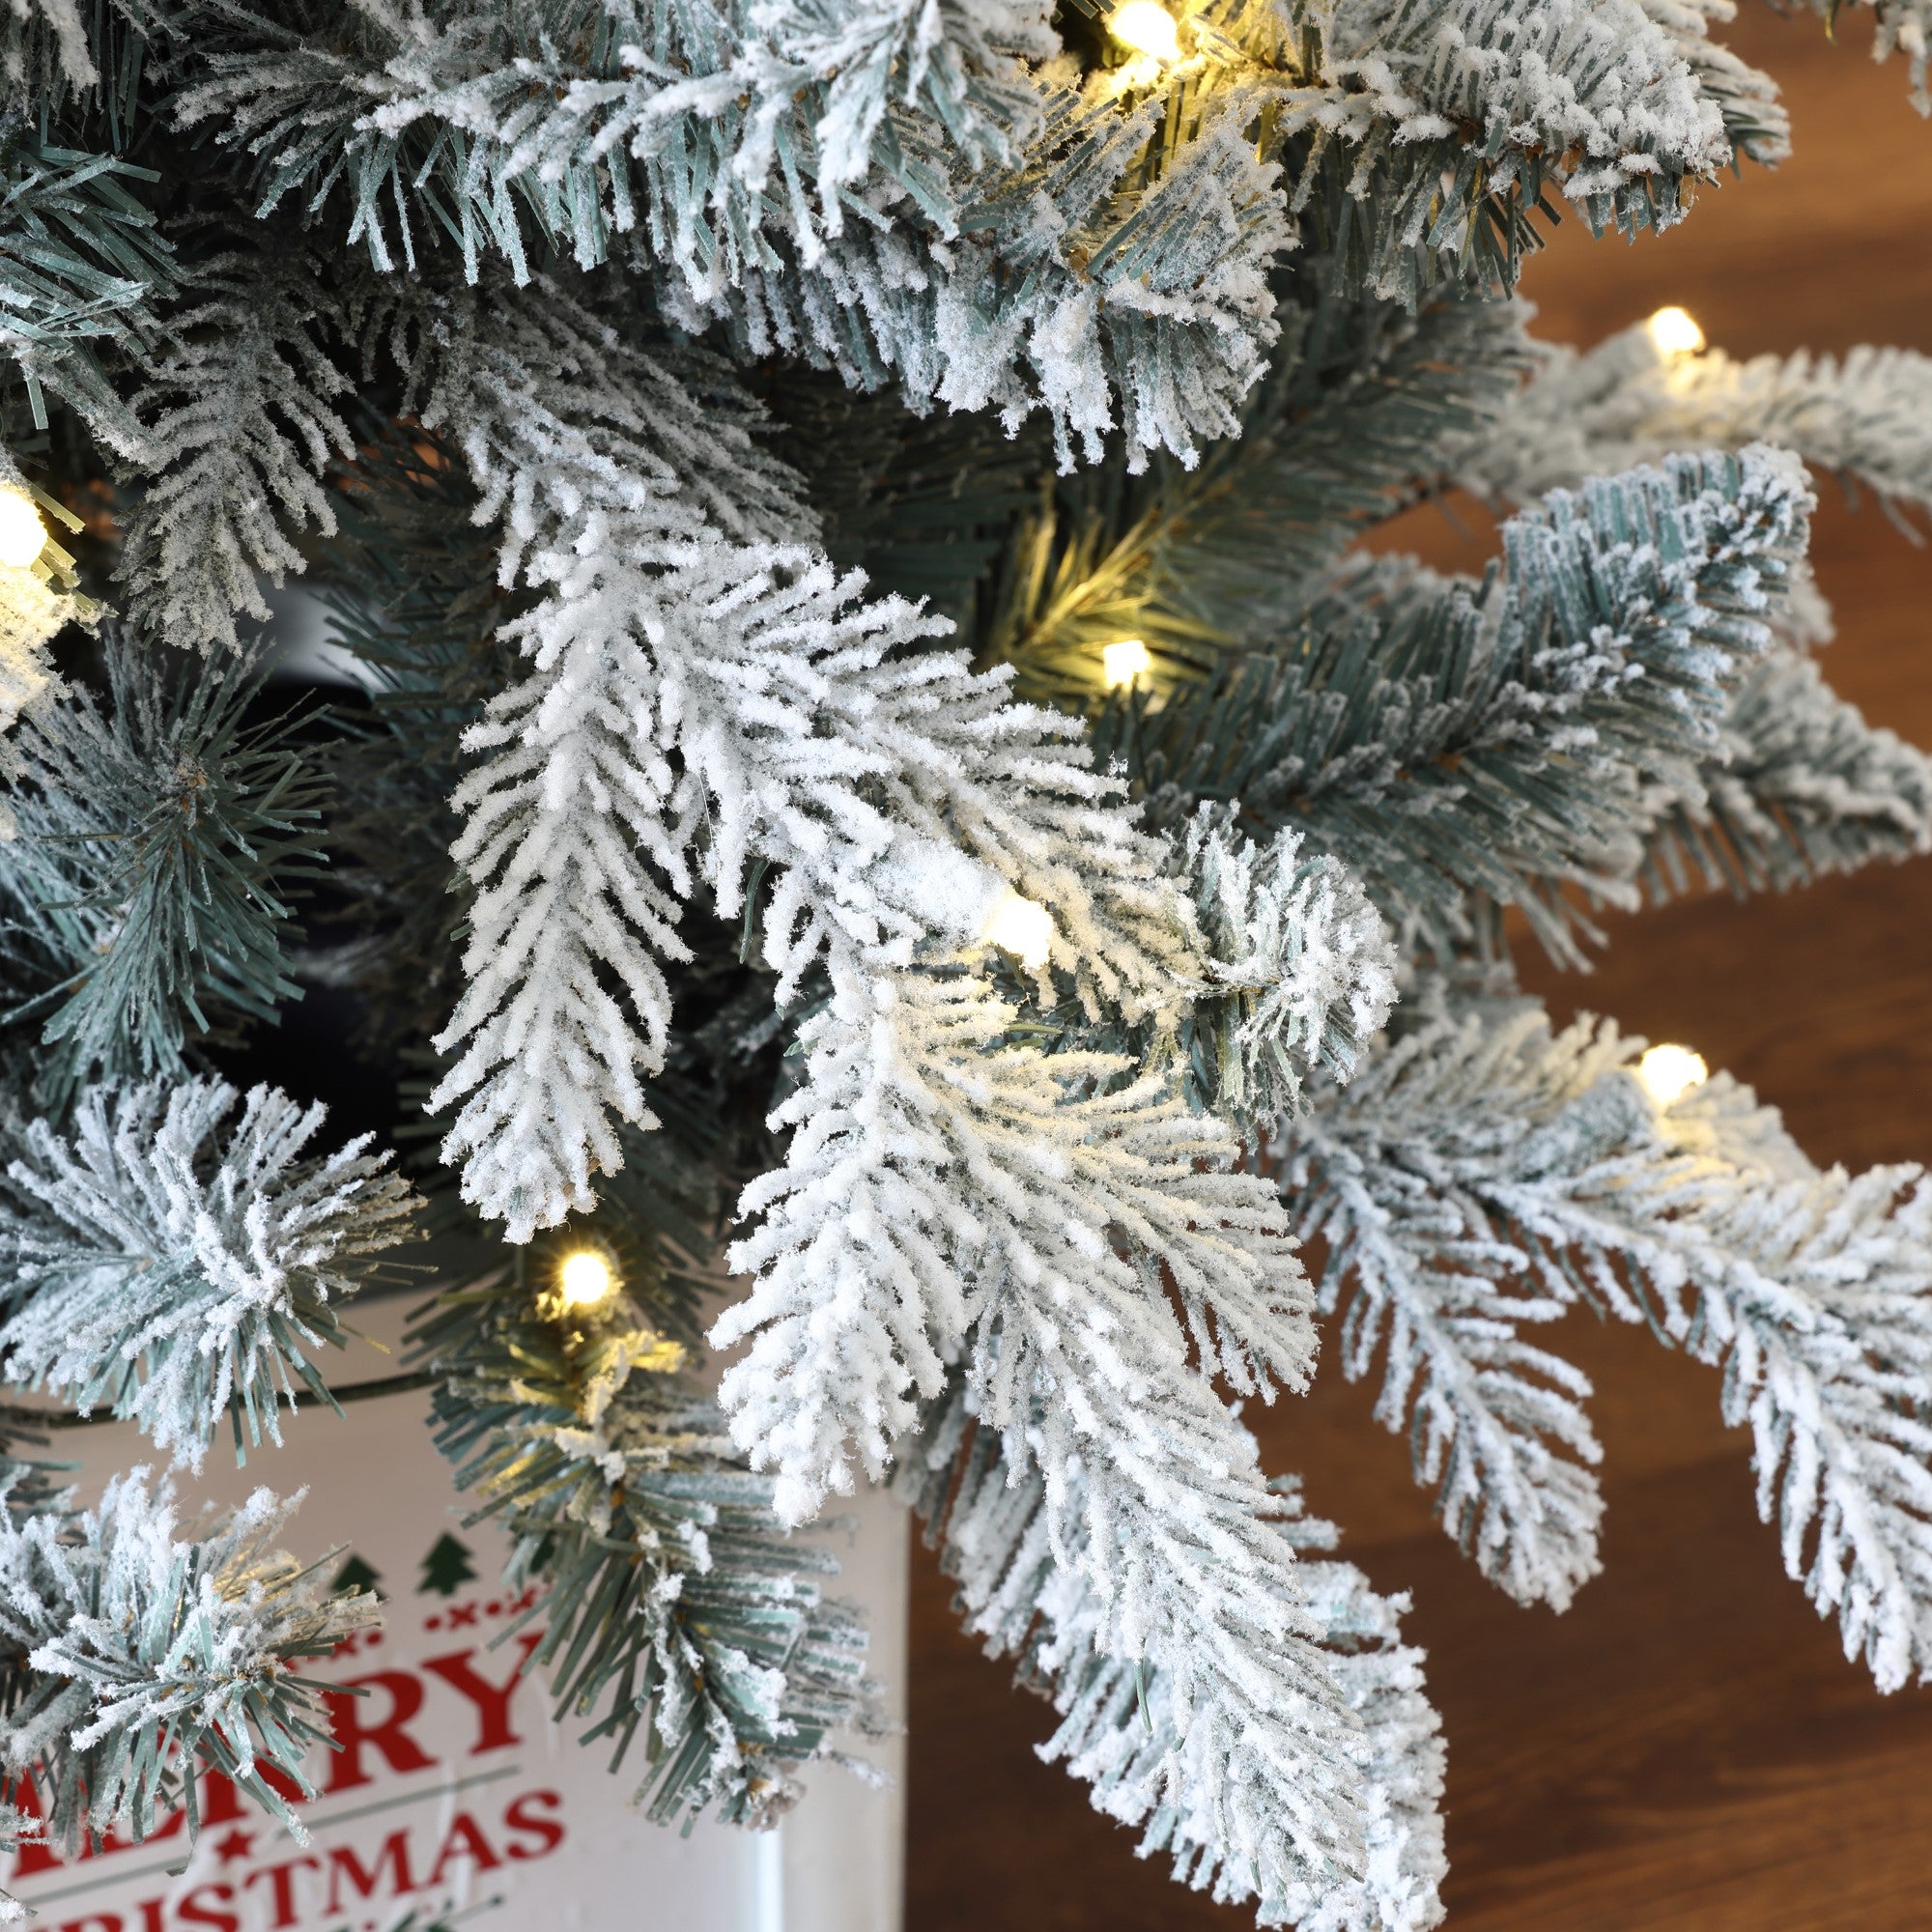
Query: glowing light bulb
x=22, y=534
x=1148, y=28
x=1122, y=663
x=585, y=1280
x=1670, y=1072
x=1674, y=334
x=1018, y=926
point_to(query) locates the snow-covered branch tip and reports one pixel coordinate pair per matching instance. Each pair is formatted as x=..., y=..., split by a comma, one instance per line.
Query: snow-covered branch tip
x=180, y=1265
x=675, y=1606
x=1482, y=1173
x=1866, y=416
x=1130, y=1729
x=943, y=1178
x=1301, y=969
x=131, y=1653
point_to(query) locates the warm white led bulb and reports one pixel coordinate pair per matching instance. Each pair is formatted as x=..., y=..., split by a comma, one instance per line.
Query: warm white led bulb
x=1674, y=333
x=585, y=1279
x=1122, y=663
x=1019, y=927
x=1670, y=1072
x=22, y=534
x=1148, y=28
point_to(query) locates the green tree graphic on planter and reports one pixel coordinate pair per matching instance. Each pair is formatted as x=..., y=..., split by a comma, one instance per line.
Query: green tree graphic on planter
x=447, y=1568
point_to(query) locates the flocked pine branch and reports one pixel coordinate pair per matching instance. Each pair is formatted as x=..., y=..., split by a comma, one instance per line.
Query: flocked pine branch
x=86, y=62
x=85, y=272
x=579, y=433
x=1866, y=417
x=930, y=148
x=1453, y=741
x=239, y=418
x=1755, y=121
x=1353, y=415
x=1120, y=1728
x=1298, y=972
x=938, y=1181
x=677, y=1618
x=1427, y=139
x=724, y=126
x=1487, y=1173
x=859, y=885
x=181, y=1265
x=723, y=706
x=1810, y=1290
x=741, y=149
x=1026, y=1211
x=1801, y=786
x=831, y=804
x=132, y=1653
x=1301, y=972
x=46, y=44
x=1424, y=1279
x=160, y=838
x=597, y=456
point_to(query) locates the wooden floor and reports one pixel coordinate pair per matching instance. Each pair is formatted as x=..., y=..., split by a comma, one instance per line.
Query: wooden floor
x=1686, y=1750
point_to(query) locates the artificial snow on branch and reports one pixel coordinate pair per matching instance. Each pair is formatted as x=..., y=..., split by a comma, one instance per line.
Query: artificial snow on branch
x=179, y=1264
x=1453, y=741
x=951, y=1195
x=1229, y=1826
x=674, y=1605
x=930, y=146
x=130, y=1654
x=1297, y=974
x=1797, y=784
x=809, y=739
x=1801, y=787
x=1422, y=1277
x=1866, y=417
x=940, y=1181
x=84, y=270
x=1301, y=970
x=722, y=706
x=239, y=419
x=590, y=120
x=1484, y=1173
x=46, y=40
x=1451, y=123
x=1755, y=121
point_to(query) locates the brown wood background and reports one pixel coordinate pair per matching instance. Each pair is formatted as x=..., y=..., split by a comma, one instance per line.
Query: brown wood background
x=1686, y=1750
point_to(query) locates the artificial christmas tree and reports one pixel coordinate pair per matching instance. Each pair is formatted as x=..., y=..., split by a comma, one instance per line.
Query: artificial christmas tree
x=873, y=767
